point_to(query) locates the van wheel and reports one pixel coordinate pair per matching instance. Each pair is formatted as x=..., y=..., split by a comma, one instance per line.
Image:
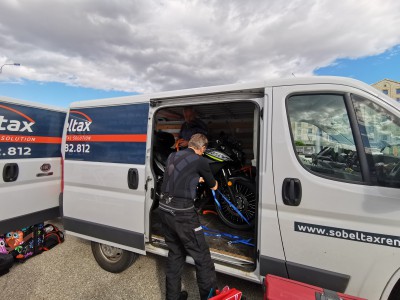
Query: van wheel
x=113, y=259
x=395, y=294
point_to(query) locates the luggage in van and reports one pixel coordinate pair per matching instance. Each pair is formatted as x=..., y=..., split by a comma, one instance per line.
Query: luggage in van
x=278, y=288
x=24, y=243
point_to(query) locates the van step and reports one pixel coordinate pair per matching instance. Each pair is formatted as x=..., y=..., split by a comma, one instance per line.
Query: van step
x=216, y=254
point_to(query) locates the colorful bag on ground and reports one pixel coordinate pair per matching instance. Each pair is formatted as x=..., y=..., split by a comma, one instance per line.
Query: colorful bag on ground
x=52, y=237
x=23, y=243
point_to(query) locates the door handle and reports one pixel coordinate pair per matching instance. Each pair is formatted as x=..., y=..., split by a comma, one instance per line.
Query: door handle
x=133, y=179
x=291, y=191
x=10, y=172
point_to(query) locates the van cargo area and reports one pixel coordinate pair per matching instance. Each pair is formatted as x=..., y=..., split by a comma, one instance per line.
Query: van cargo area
x=233, y=133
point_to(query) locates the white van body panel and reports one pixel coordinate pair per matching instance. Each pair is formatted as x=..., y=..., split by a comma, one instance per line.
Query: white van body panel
x=88, y=185
x=30, y=138
x=270, y=243
x=30, y=193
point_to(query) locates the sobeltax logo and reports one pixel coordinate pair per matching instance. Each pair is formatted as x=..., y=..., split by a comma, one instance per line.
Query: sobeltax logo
x=79, y=122
x=13, y=124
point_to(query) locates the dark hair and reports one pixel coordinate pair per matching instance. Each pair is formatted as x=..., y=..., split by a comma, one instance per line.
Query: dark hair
x=197, y=141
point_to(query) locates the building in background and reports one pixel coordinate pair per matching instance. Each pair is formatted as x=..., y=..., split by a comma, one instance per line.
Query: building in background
x=389, y=87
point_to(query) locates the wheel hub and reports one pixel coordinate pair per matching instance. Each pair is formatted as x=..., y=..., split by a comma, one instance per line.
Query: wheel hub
x=240, y=201
x=111, y=253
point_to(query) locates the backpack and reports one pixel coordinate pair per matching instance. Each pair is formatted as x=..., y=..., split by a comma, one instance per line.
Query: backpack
x=52, y=237
x=23, y=243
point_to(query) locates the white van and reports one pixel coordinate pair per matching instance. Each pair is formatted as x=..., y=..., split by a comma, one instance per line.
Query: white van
x=30, y=162
x=310, y=167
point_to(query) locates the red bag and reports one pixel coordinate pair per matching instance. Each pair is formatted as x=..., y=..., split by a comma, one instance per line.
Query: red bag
x=52, y=237
x=278, y=288
x=228, y=294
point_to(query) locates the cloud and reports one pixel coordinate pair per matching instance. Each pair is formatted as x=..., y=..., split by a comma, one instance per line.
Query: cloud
x=154, y=45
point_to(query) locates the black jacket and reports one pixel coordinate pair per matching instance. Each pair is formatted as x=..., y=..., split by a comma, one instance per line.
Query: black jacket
x=182, y=173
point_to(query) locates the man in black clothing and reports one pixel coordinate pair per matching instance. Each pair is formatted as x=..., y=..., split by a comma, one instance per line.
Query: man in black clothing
x=192, y=125
x=183, y=232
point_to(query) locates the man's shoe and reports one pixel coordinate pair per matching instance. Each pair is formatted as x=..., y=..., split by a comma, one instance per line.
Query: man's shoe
x=183, y=295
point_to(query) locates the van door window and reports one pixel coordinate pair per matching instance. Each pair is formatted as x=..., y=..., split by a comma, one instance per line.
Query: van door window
x=380, y=131
x=322, y=136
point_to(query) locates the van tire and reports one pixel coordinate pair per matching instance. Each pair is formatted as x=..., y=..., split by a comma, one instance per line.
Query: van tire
x=395, y=294
x=113, y=259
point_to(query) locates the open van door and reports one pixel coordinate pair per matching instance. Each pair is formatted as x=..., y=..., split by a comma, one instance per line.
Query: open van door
x=30, y=163
x=104, y=177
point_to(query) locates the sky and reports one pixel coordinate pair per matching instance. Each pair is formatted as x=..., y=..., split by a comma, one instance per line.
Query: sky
x=89, y=49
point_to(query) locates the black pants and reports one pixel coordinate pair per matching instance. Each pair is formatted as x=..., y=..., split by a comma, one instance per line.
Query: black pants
x=184, y=236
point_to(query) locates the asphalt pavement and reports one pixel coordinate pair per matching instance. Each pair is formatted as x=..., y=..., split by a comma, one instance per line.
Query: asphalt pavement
x=69, y=271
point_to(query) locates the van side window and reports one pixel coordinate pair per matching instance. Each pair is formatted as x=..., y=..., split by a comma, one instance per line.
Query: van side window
x=380, y=131
x=322, y=136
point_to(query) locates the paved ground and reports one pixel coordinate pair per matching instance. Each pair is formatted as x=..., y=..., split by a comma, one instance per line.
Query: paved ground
x=69, y=271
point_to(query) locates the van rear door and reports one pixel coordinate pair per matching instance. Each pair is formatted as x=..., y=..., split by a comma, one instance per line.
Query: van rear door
x=104, y=172
x=30, y=163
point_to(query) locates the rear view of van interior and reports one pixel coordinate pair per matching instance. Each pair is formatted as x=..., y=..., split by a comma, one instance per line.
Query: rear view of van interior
x=233, y=134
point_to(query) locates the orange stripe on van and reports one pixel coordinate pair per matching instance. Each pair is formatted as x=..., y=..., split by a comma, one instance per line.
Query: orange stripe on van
x=9, y=138
x=125, y=138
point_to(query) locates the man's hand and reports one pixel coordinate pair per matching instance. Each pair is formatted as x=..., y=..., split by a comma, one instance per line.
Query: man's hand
x=183, y=143
x=180, y=143
x=216, y=186
x=201, y=180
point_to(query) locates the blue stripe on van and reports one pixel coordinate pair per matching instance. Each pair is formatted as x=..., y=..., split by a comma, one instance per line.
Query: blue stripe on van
x=91, y=131
x=29, y=132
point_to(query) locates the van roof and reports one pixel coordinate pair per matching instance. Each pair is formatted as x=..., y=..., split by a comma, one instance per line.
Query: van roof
x=32, y=104
x=142, y=98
